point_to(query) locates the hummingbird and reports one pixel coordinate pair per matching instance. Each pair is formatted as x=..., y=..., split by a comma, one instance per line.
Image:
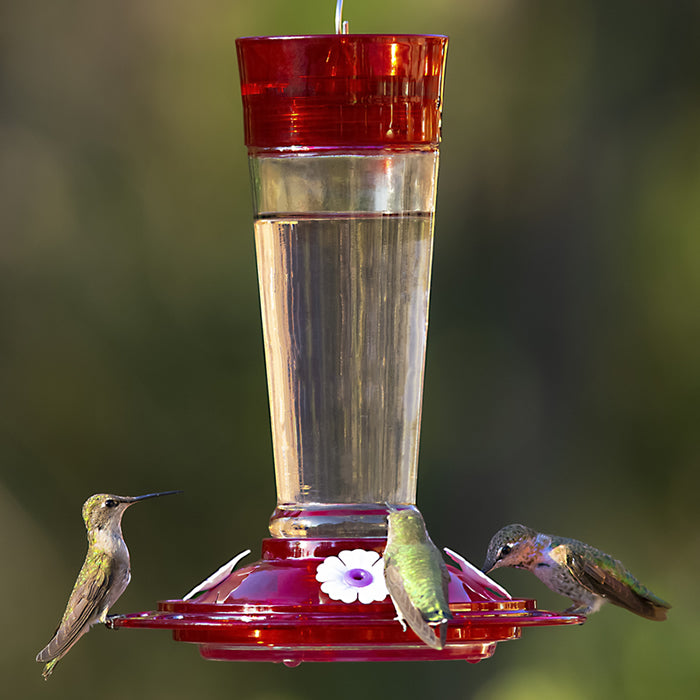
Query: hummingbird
x=573, y=569
x=105, y=574
x=416, y=577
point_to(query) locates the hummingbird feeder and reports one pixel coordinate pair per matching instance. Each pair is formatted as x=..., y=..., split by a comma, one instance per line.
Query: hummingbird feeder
x=342, y=133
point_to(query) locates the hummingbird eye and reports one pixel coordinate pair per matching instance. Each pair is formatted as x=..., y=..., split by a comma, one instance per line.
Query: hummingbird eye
x=506, y=549
x=111, y=503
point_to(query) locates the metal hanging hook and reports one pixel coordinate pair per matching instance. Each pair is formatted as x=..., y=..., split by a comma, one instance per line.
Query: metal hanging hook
x=340, y=26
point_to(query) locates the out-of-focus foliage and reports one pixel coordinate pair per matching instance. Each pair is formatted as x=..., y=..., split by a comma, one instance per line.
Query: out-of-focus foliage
x=563, y=373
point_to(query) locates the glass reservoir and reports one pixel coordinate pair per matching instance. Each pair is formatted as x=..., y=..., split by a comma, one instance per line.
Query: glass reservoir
x=344, y=296
x=344, y=194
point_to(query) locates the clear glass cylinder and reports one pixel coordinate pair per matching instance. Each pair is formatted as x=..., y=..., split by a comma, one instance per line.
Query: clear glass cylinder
x=344, y=238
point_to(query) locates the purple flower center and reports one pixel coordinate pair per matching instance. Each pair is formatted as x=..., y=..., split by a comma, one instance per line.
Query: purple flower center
x=359, y=578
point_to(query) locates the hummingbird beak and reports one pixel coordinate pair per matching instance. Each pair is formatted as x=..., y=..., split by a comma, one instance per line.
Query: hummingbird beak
x=488, y=567
x=134, y=499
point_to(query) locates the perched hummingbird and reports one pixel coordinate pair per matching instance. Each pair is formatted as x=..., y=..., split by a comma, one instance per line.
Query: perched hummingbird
x=104, y=577
x=416, y=577
x=573, y=569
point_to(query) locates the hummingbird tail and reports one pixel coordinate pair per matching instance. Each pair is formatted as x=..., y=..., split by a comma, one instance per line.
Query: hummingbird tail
x=652, y=611
x=48, y=669
x=443, y=633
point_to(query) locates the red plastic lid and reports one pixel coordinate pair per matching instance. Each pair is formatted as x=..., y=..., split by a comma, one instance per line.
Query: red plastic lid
x=342, y=90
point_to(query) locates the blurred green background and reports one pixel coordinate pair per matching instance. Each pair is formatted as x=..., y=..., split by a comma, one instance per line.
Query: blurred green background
x=563, y=372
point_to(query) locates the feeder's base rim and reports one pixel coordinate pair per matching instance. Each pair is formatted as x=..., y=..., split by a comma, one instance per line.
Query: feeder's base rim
x=247, y=636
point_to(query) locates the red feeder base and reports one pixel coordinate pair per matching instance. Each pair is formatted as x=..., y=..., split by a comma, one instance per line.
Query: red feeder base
x=274, y=610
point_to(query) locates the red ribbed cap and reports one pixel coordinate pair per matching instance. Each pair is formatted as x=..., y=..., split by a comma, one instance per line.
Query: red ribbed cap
x=342, y=90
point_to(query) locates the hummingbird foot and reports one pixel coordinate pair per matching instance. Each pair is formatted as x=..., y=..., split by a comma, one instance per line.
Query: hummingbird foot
x=400, y=620
x=578, y=610
x=587, y=606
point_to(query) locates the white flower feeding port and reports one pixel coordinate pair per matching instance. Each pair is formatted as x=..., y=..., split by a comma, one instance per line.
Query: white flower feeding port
x=353, y=575
x=342, y=133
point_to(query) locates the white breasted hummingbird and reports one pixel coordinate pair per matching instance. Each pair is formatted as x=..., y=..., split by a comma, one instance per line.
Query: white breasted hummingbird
x=573, y=569
x=105, y=574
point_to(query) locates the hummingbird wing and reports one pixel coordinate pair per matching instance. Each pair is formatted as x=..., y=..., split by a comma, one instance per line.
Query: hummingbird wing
x=84, y=608
x=611, y=580
x=408, y=611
